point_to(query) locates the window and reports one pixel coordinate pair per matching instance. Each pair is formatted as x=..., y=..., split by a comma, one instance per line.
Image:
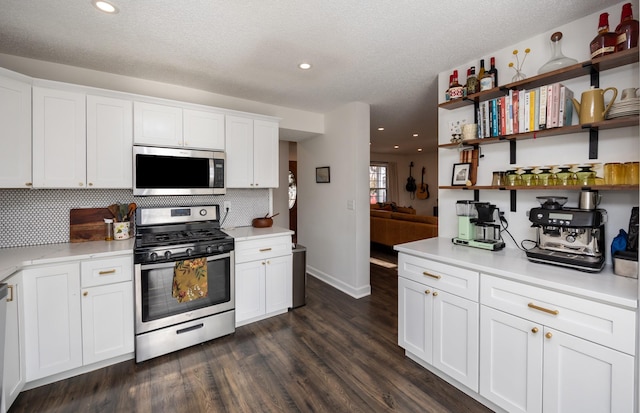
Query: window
x=377, y=183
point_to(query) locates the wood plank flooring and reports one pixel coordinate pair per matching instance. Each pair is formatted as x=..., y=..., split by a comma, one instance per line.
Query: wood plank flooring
x=336, y=354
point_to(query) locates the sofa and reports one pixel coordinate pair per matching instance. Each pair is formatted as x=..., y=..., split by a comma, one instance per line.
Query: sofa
x=391, y=225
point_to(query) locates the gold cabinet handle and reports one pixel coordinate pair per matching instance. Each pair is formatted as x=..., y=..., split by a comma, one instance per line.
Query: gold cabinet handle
x=268, y=262
x=534, y=330
x=265, y=249
x=427, y=292
x=10, y=297
x=29, y=183
x=106, y=272
x=86, y=293
x=548, y=335
x=435, y=293
x=437, y=277
x=546, y=310
x=264, y=263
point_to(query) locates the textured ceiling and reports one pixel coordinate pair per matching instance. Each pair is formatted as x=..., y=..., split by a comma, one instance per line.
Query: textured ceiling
x=387, y=53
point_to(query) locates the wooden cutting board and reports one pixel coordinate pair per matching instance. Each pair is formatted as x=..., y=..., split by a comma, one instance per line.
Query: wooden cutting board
x=87, y=224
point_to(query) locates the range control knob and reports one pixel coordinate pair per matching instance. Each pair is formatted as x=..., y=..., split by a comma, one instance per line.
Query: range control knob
x=167, y=255
x=221, y=248
x=571, y=238
x=153, y=256
x=189, y=252
x=209, y=249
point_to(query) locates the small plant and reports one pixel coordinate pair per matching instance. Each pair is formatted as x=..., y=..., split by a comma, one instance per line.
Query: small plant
x=518, y=65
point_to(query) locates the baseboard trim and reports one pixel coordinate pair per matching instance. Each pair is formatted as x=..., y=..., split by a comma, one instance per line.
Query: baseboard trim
x=338, y=284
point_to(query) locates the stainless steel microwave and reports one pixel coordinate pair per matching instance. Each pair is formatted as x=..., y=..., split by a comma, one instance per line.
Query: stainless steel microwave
x=175, y=171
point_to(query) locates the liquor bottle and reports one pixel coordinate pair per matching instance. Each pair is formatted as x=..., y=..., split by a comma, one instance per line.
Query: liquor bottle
x=485, y=80
x=447, y=95
x=456, y=90
x=627, y=30
x=605, y=42
x=473, y=86
x=494, y=72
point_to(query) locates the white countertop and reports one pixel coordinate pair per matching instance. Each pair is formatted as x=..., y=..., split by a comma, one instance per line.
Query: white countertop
x=604, y=286
x=14, y=259
x=247, y=233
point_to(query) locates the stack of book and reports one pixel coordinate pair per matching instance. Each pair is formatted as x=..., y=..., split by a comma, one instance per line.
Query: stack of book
x=523, y=111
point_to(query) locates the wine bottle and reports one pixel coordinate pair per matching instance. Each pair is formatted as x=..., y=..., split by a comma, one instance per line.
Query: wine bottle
x=456, y=90
x=494, y=72
x=484, y=78
x=481, y=71
x=627, y=30
x=473, y=86
x=605, y=42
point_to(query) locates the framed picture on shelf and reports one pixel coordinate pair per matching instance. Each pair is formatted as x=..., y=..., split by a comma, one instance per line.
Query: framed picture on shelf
x=460, y=174
x=323, y=175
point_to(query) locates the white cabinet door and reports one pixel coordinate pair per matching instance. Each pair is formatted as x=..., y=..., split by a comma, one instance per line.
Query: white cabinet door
x=250, y=290
x=239, y=151
x=278, y=283
x=53, y=329
x=107, y=321
x=109, y=142
x=581, y=376
x=204, y=130
x=511, y=361
x=456, y=337
x=14, y=359
x=415, y=318
x=59, y=139
x=265, y=154
x=158, y=125
x=15, y=133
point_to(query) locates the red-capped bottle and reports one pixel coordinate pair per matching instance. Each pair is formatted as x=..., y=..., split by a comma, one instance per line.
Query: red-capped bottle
x=605, y=42
x=627, y=30
x=456, y=90
x=447, y=94
x=494, y=72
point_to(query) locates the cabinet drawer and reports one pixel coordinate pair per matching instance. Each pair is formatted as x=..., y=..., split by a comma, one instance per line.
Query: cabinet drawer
x=449, y=278
x=262, y=248
x=601, y=323
x=106, y=271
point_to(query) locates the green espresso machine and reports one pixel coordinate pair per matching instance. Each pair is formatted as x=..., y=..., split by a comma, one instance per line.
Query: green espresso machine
x=477, y=227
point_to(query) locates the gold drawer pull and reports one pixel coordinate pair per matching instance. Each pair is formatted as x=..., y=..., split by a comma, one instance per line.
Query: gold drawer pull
x=427, y=292
x=265, y=249
x=437, y=277
x=534, y=330
x=107, y=272
x=435, y=293
x=10, y=297
x=546, y=310
x=548, y=335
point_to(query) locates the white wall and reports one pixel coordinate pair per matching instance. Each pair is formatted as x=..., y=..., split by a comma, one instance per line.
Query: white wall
x=615, y=145
x=333, y=218
x=427, y=159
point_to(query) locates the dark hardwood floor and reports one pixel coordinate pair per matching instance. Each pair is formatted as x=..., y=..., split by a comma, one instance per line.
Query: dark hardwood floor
x=336, y=354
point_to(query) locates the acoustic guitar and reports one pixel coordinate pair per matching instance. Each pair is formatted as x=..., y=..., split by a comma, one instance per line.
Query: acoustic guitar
x=411, y=181
x=423, y=191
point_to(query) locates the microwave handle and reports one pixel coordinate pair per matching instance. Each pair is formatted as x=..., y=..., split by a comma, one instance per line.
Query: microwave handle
x=212, y=172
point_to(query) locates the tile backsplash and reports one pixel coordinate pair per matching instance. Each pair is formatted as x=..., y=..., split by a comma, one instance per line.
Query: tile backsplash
x=41, y=216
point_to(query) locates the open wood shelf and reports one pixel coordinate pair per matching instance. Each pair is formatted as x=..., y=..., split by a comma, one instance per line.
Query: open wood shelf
x=565, y=130
x=600, y=64
x=547, y=187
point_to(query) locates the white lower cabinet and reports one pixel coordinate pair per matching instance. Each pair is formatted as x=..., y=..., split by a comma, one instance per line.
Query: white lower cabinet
x=14, y=360
x=263, y=278
x=435, y=325
x=67, y=326
x=531, y=365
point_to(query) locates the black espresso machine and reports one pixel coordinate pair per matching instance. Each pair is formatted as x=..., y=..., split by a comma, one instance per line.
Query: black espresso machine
x=568, y=237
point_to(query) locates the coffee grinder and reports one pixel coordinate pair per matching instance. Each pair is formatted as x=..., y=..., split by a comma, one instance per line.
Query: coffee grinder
x=477, y=227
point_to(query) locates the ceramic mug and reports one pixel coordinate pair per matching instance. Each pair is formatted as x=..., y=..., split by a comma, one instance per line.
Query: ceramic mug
x=121, y=230
x=629, y=93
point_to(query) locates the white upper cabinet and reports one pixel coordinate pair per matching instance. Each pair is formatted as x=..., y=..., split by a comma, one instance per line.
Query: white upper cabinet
x=252, y=153
x=173, y=126
x=59, y=139
x=15, y=132
x=203, y=129
x=109, y=142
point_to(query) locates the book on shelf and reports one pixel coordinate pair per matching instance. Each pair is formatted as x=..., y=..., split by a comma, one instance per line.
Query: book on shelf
x=535, y=125
x=515, y=102
x=509, y=111
x=542, y=119
x=494, y=117
x=555, y=104
x=522, y=104
x=527, y=111
x=565, y=115
x=502, y=104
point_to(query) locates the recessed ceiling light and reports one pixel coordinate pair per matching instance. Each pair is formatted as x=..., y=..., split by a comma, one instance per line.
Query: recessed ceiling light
x=395, y=146
x=305, y=66
x=380, y=128
x=415, y=135
x=419, y=149
x=105, y=6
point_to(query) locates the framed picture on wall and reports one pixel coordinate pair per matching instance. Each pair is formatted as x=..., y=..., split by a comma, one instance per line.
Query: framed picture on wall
x=460, y=174
x=323, y=175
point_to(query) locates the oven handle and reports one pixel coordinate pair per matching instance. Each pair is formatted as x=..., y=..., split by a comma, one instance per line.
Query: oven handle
x=173, y=263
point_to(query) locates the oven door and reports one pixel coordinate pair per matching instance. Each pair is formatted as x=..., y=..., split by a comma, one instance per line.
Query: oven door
x=157, y=308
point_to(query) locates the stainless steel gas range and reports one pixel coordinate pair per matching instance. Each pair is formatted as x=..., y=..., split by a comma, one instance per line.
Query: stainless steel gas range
x=184, y=279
